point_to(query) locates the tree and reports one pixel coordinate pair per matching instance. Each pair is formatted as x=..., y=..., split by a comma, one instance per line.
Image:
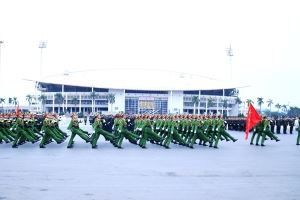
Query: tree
x=15, y=101
x=225, y=105
x=2, y=101
x=238, y=101
x=293, y=112
x=270, y=102
x=111, y=99
x=93, y=96
x=260, y=101
x=195, y=101
x=284, y=108
x=43, y=98
x=249, y=101
x=210, y=102
x=278, y=106
x=59, y=100
x=29, y=99
x=74, y=101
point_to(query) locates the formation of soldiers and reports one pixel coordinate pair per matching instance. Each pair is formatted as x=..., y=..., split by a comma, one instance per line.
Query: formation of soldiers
x=185, y=130
x=162, y=130
x=25, y=127
x=262, y=132
x=277, y=125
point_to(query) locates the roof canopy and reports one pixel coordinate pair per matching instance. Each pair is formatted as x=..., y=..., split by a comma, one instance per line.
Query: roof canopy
x=139, y=79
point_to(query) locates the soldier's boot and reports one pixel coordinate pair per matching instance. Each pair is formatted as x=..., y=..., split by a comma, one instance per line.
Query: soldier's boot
x=70, y=144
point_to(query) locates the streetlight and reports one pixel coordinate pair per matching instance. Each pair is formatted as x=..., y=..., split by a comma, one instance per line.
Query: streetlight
x=1, y=42
x=42, y=45
x=229, y=53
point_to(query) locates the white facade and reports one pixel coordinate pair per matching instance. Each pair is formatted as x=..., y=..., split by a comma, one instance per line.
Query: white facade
x=175, y=101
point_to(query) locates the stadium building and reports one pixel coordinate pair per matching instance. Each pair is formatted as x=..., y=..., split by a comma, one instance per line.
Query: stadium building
x=134, y=91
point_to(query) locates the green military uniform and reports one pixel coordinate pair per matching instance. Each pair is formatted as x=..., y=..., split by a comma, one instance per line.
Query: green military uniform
x=121, y=132
x=97, y=125
x=74, y=128
x=148, y=133
x=50, y=131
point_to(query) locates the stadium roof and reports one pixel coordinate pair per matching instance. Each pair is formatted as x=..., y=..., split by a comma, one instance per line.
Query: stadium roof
x=138, y=79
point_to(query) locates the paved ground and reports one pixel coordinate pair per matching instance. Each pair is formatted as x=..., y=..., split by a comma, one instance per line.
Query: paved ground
x=235, y=171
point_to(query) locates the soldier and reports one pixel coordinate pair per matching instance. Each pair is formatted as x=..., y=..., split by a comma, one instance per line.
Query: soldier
x=266, y=131
x=291, y=123
x=97, y=125
x=278, y=125
x=49, y=132
x=219, y=129
x=148, y=133
x=74, y=128
x=285, y=123
x=298, y=129
x=120, y=131
x=272, y=124
x=21, y=134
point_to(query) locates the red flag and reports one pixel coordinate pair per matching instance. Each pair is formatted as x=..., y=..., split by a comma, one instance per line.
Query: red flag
x=17, y=111
x=252, y=119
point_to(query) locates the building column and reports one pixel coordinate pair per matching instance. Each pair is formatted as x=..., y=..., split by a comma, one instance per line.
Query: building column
x=206, y=102
x=66, y=102
x=80, y=102
x=199, y=102
x=53, y=102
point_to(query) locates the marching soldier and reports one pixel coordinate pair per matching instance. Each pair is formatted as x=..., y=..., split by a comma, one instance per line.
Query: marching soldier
x=97, y=125
x=74, y=128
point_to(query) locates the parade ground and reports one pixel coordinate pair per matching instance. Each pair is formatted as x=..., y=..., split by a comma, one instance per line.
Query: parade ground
x=234, y=171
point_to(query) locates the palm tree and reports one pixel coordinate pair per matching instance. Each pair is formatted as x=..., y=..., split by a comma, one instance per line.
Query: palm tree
x=284, y=108
x=210, y=102
x=270, y=102
x=249, y=101
x=111, y=99
x=238, y=101
x=15, y=101
x=29, y=99
x=59, y=100
x=74, y=101
x=93, y=96
x=43, y=98
x=278, y=106
x=2, y=101
x=260, y=101
x=195, y=101
x=225, y=105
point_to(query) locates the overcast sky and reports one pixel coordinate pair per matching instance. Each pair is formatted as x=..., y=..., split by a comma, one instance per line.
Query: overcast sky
x=177, y=35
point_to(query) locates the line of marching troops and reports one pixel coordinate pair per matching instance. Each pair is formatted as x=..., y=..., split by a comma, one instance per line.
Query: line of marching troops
x=277, y=124
x=185, y=130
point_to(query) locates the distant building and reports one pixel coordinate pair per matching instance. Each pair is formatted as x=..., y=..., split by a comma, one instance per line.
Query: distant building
x=146, y=94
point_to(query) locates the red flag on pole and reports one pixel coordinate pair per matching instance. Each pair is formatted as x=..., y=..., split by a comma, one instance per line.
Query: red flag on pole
x=17, y=111
x=252, y=119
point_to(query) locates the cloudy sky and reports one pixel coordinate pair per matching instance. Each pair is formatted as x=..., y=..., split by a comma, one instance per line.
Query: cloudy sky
x=174, y=35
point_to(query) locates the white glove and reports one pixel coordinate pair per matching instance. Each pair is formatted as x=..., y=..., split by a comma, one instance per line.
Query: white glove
x=217, y=129
x=119, y=131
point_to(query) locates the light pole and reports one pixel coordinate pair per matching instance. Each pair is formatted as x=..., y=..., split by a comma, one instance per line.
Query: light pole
x=42, y=45
x=229, y=53
x=1, y=42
